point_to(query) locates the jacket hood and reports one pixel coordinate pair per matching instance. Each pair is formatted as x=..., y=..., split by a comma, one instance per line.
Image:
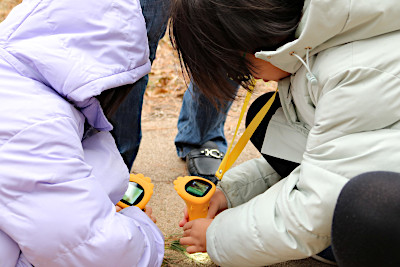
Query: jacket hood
x=78, y=48
x=328, y=23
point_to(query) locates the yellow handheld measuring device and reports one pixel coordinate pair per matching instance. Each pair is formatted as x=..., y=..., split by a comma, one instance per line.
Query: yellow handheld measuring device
x=196, y=192
x=138, y=193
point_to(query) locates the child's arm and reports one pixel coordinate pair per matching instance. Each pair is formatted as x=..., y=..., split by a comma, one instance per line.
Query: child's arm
x=249, y=179
x=293, y=218
x=53, y=195
x=147, y=210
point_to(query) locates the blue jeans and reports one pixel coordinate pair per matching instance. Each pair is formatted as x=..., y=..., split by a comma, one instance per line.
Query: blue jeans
x=127, y=119
x=198, y=122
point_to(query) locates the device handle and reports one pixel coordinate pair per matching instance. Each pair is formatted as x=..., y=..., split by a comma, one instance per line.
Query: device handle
x=196, y=211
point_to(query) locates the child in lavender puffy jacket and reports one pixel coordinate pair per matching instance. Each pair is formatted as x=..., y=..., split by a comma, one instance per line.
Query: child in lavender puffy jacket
x=64, y=67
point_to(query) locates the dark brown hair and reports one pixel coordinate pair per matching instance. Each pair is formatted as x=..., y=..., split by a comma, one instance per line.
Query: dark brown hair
x=111, y=99
x=211, y=37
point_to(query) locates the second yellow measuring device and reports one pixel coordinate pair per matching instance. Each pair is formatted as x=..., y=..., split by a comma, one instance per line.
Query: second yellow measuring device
x=196, y=192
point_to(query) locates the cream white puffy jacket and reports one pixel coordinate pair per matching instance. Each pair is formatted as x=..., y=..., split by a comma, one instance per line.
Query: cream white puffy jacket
x=340, y=117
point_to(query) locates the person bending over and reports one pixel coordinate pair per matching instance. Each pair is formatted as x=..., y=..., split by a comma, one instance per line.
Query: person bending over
x=338, y=116
x=65, y=66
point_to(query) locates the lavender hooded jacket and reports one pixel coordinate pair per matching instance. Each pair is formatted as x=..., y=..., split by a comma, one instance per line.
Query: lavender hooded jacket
x=58, y=189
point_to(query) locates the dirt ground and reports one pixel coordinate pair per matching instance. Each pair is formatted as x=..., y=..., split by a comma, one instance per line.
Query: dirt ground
x=157, y=156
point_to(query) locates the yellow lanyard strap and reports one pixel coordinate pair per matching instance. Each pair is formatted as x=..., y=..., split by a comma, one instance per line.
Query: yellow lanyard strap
x=231, y=156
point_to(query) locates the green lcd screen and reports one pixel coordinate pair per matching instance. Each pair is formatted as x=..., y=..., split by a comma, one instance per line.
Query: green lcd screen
x=133, y=194
x=198, y=188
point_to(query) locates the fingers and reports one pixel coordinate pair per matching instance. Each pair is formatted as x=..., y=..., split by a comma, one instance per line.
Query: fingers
x=194, y=249
x=186, y=233
x=194, y=235
x=188, y=225
x=190, y=242
x=182, y=222
x=186, y=241
x=185, y=217
x=149, y=212
x=218, y=203
x=186, y=213
x=212, y=211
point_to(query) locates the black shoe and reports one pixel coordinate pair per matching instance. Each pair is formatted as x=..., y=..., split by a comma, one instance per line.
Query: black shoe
x=204, y=161
x=326, y=256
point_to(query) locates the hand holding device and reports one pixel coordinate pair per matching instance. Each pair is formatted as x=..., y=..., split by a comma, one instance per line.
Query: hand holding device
x=138, y=193
x=196, y=192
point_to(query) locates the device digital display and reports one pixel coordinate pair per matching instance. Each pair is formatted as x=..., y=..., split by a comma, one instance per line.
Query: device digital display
x=133, y=194
x=198, y=188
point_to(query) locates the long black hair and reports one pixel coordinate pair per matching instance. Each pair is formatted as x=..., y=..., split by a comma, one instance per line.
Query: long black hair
x=211, y=37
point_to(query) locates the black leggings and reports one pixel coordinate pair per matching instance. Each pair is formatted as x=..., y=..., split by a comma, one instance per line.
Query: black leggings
x=366, y=222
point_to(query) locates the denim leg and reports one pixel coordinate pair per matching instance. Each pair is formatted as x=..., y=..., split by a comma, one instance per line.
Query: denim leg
x=156, y=14
x=127, y=120
x=199, y=121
